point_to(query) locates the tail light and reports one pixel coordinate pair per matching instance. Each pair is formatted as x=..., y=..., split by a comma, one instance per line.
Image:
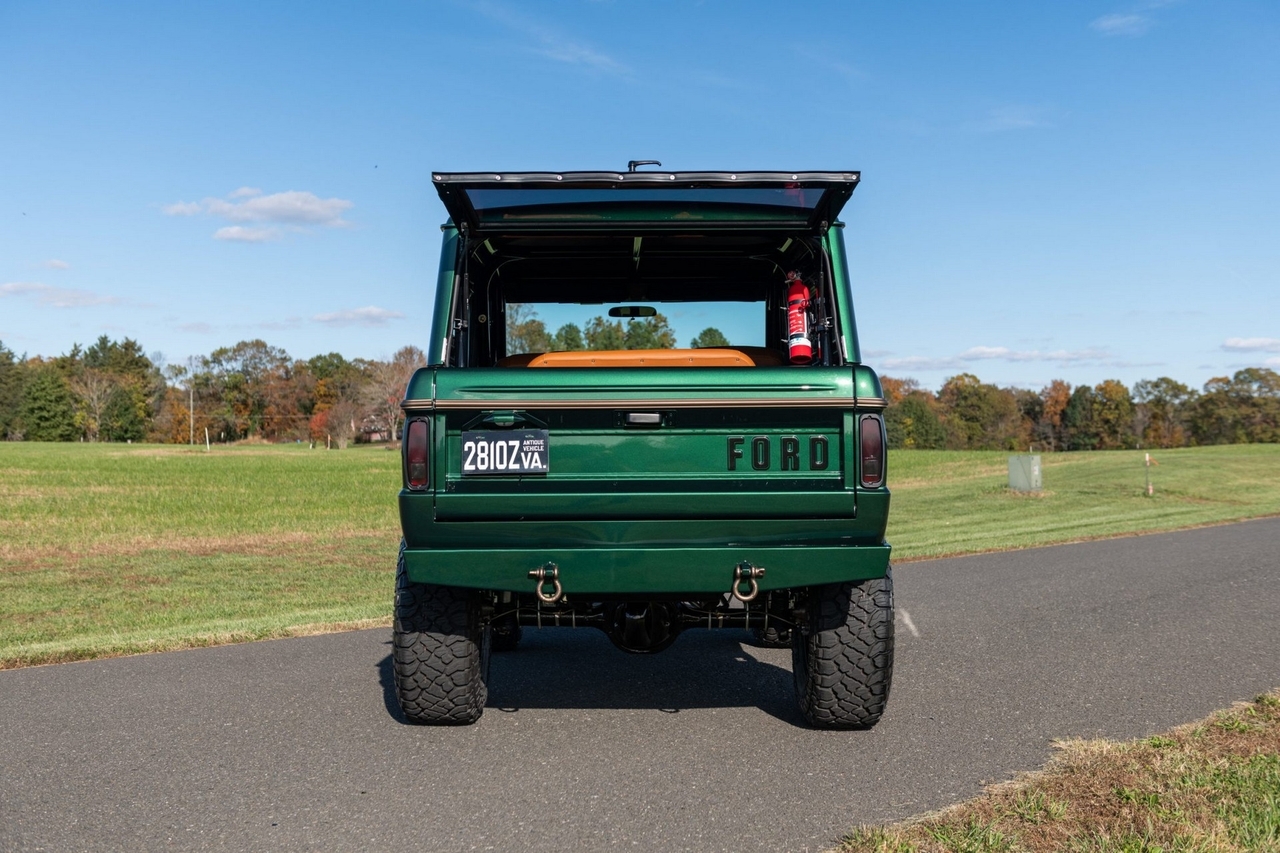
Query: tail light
x=417, y=439
x=872, y=451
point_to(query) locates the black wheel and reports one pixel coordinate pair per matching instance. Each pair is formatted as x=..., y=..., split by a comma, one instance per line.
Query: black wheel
x=506, y=634
x=772, y=638
x=842, y=659
x=441, y=653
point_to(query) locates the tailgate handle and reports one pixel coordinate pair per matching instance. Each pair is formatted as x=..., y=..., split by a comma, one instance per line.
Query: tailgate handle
x=644, y=419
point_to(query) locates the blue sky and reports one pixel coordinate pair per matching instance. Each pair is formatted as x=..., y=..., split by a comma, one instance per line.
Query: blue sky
x=1050, y=190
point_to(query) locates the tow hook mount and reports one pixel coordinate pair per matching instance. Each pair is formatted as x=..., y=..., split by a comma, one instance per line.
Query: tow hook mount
x=745, y=573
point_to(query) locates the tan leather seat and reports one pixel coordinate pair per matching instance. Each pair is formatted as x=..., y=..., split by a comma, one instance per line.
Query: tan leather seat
x=703, y=357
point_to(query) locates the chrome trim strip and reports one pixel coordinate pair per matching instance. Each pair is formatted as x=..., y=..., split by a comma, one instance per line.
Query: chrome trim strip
x=650, y=403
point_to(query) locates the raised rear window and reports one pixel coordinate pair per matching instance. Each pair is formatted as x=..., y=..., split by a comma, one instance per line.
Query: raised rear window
x=526, y=201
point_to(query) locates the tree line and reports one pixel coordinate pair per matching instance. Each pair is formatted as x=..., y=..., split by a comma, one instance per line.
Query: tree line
x=969, y=414
x=527, y=333
x=113, y=391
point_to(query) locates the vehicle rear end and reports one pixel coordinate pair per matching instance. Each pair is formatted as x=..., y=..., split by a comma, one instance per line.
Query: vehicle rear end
x=603, y=476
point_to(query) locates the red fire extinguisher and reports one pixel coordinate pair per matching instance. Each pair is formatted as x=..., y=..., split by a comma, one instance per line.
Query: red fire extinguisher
x=798, y=343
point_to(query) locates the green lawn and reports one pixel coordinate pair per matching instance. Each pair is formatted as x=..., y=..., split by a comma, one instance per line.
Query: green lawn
x=108, y=549
x=956, y=502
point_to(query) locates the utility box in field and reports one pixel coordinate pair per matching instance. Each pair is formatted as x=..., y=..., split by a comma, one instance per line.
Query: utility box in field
x=1024, y=473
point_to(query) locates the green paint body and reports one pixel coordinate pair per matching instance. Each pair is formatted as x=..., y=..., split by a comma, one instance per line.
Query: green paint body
x=635, y=510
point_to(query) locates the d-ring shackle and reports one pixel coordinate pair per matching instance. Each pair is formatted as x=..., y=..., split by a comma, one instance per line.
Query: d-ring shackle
x=548, y=574
x=745, y=572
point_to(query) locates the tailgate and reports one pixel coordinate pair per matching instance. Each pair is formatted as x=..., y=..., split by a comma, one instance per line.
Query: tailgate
x=648, y=443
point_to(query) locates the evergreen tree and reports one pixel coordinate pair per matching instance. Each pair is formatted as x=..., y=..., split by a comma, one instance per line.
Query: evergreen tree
x=709, y=337
x=1077, y=420
x=601, y=334
x=12, y=376
x=125, y=415
x=48, y=411
x=568, y=339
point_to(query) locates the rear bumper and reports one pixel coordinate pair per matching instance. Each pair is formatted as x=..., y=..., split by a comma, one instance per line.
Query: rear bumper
x=646, y=570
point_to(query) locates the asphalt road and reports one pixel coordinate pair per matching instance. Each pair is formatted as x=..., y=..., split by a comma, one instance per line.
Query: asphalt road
x=297, y=745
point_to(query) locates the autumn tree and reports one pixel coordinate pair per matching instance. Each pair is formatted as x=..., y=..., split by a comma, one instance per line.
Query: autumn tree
x=912, y=424
x=1049, y=429
x=343, y=420
x=525, y=332
x=896, y=389
x=602, y=334
x=388, y=381
x=1242, y=408
x=1162, y=403
x=1112, y=415
x=649, y=333
x=94, y=387
x=979, y=416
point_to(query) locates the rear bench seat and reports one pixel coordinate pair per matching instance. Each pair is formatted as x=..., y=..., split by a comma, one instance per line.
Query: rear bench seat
x=701, y=357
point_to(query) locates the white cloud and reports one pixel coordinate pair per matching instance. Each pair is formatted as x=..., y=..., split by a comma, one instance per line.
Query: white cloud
x=294, y=209
x=241, y=234
x=550, y=43
x=1252, y=345
x=195, y=328
x=183, y=208
x=370, y=315
x=55, y=264
x=984, y=353
x=1133, y=22
x=1060, y=356
x=1273, y=362
x=56, y=297
x=1122, y=24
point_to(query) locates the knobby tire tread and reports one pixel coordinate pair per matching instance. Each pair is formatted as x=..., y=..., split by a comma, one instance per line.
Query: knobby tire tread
x=437, y=655
x=843, y=663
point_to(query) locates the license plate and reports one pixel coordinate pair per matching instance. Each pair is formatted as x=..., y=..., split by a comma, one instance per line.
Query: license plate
x=503, y=452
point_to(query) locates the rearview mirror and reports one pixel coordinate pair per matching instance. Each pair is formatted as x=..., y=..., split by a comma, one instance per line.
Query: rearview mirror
x=632, y=311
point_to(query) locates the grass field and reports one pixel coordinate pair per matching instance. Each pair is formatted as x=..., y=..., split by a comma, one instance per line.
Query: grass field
x=1207, y=787
x=109, y=549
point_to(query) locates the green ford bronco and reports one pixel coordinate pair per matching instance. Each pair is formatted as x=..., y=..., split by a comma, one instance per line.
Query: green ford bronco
x=610, y=480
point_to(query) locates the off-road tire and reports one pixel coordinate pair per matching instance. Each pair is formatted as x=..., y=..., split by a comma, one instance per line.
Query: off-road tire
x=842, y=659
x=440, y=656
x=772, y=638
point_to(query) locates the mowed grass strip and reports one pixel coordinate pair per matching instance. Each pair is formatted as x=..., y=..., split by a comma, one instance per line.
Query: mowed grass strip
x=958, y=502
x=114, y=549
x=1209, y=786
x=110, y=549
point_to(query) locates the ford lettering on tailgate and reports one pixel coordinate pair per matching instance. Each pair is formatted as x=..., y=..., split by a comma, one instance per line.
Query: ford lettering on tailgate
x=517, y=452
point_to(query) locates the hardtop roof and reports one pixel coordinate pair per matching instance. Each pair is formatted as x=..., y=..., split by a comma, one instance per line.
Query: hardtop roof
x=513, y=202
